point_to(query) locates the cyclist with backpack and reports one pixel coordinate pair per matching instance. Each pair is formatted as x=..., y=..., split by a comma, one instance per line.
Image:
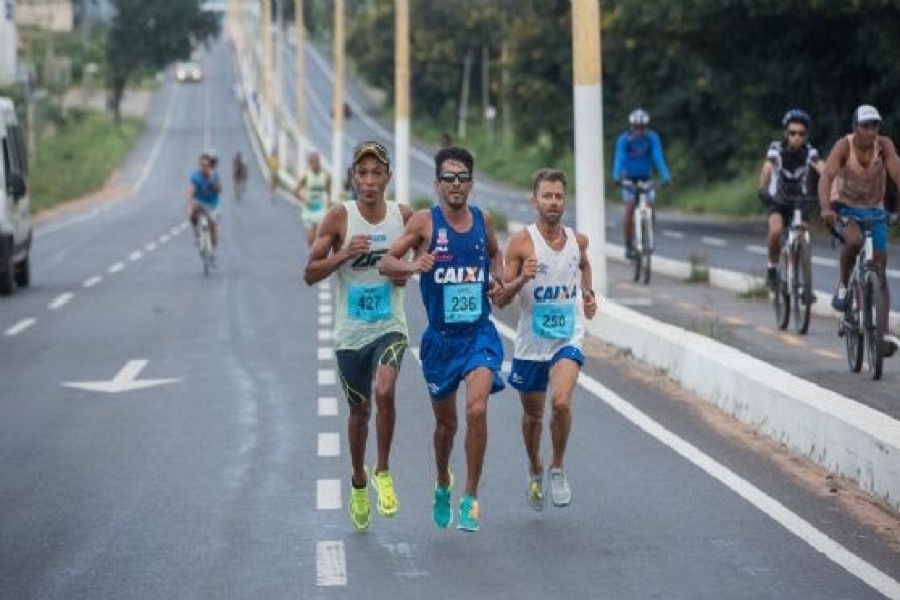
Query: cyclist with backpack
x=782, y=179
x=638, y=151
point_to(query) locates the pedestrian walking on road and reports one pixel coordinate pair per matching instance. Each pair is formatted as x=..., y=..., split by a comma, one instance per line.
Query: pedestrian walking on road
x=547, y=267
x=370, y=324
x=460, y=267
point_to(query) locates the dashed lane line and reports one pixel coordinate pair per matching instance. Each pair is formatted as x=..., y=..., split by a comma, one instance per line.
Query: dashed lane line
x=116, y=267
x=92, y=281
x=328, y=406
x=20, y=327
x=331, y=564
x=826, y=353
x=714, y=241
x=60, y=301
x=326, y=353
x=135, y=256
x=150, y=247
x=328, y=494
x=675, y=235
x=791, y=340
x=326, y=377
x=328, y=444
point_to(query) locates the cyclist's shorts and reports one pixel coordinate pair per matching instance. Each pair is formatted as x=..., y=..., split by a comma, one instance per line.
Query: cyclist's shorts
x=357, y=367
x=628, y=195
x=534, y=375
x=879, y=228
x=211, y=210
x=447, y=359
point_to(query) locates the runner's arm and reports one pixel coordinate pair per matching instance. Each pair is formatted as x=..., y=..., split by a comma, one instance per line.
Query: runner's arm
x=891, y=160
x=835, y=158
x=393, y=264
x=587, y=278
x=518, y=251
x=326, y=254
x=496, y=289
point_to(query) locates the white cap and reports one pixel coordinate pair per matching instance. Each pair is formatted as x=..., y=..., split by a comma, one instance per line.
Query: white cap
x=866, y=113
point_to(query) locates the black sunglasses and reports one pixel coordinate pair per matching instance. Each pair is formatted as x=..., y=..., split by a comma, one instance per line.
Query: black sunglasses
x=450, y=177
x=796, y=133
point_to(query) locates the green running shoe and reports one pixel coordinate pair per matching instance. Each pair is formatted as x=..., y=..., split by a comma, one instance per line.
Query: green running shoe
x=387, y=497
x=443, y=514
x=535, y=492
x=468, y=514
x=360, y=514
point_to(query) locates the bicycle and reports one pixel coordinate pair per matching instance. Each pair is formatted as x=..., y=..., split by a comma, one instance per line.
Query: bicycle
x=240, y=186
x=644, y=222
x=864, y=322
x=793, y=292
x=204, y=241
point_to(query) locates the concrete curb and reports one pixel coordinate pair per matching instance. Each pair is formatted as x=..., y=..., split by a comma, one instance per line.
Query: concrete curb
x=844, y=436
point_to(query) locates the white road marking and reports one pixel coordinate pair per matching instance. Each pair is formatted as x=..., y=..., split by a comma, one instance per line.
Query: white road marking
x=126, y=380
x=150, y=163
x=324, y=320
x=92, y=281
x=116, y=267
x=175, y=231
x=20, y=327
x=326, y=353
x=136, y=255
x=164, y=238
x=328, y=494
x=893, y=273
x=825, y=262
x=331, y=564
x=60, y=301
x=325, y=335
x=713, y=241
x=325, y=296
x=150, y=247
x=328, y=406
x=325, y=285
x=327, y=377
x=675, y=235
x=754, y=249
x=768, y=505
x=325, y=309
x=329, y=444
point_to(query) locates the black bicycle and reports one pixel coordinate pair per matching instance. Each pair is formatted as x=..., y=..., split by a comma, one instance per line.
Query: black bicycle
x=865, y=320
x=794, y=288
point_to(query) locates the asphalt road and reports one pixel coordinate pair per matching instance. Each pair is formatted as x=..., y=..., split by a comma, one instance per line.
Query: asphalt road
x=224, y=480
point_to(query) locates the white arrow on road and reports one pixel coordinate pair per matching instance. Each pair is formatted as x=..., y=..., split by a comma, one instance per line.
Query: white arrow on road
x=125, y=380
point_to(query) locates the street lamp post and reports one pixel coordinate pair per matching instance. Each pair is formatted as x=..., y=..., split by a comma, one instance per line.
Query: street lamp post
x=300, y=83
x=589, y=172
x=337, y=135
x=401, y=84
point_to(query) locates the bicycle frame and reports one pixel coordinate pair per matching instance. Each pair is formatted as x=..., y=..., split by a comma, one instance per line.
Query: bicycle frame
x=643, y=213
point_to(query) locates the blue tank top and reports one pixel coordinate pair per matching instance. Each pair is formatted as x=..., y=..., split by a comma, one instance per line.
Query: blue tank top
x=205, y=192
x=455, y=290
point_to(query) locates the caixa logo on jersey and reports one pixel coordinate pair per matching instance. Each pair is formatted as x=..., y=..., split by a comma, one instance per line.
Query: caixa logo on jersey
x=458, y=275
x=555, y=293
x=368, y=260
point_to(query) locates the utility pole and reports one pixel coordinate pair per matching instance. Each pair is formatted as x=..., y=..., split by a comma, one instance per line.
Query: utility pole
x=590, y=214
x=266, y=27
x=279, y=52
x=401, y=85
x=464, y=96
x=337, y=135
x=300, y=83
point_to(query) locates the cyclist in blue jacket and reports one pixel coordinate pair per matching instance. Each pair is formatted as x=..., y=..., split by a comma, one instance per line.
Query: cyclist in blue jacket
x=638, y=151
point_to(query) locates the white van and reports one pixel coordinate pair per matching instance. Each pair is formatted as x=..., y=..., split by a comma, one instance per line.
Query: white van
x=15, y=208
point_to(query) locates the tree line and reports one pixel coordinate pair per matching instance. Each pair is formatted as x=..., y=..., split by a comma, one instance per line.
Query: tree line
x=715, y=75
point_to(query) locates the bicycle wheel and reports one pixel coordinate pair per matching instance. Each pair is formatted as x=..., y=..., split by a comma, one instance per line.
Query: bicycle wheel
x=876, y=317
x=646, y=251
x=801, y=292
x=781, y=297
x=852, y=326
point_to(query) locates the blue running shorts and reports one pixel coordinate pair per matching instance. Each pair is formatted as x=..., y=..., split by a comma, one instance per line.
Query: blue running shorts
x=534, y=375
x=448, y=358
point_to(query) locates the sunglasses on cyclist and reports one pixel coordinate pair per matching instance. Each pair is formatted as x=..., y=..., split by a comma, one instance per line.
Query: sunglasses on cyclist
x=796, y=133
x=450, y=177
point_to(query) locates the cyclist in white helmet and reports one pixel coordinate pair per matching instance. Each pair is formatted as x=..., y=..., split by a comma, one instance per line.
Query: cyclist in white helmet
x=638, y=151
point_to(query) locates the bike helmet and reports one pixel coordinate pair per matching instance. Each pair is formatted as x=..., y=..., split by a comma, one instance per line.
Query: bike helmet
x=638, y=117
x=796, y=115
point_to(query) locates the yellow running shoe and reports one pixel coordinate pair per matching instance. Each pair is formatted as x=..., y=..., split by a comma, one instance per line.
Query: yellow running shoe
x=387, y=497
x=360, y=515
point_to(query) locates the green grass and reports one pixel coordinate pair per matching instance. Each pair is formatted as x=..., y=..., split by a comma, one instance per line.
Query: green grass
x=736, y=197
x=77, y=160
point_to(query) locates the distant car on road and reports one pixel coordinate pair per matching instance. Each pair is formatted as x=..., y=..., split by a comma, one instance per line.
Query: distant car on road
x=188, y=71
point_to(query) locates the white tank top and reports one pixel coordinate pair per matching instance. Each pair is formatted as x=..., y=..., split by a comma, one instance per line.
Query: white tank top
x=551, y=314
x=314, y=190
x=367, y=305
